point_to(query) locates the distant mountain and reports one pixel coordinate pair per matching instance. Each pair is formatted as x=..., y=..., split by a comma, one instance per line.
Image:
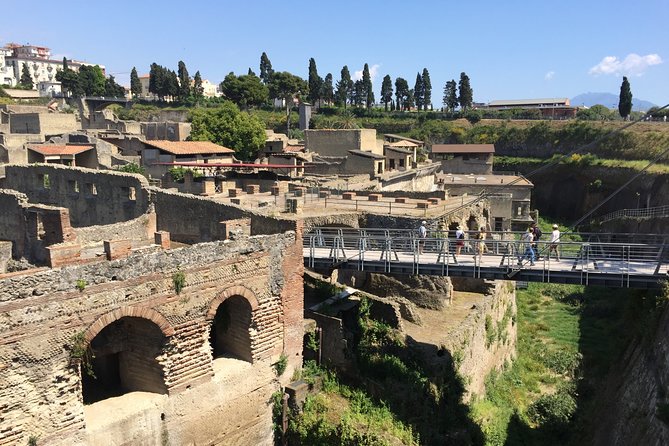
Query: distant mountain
x=608, y=100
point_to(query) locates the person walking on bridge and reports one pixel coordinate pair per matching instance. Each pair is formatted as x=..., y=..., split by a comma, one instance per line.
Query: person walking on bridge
x=459, y=240
x=554, y=244
x=480, y=244
x=422, y=235
x=527, y=240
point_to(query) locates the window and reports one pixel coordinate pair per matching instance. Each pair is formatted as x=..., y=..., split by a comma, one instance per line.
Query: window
x=91, y=190
x=44, y=180
x=401, y=162
x=73, y=186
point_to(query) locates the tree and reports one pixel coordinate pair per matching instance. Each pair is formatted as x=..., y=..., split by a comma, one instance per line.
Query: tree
x=344, y=87
x=92, y=80
x=386, y=91
x=418, y=92
x=245, y=91
x=113, y=89
x=410, y=101
x=266, y=70
x=466, y=94
x=327, y=90
x=184, y=82
x=427, y=89
x=172, y=87
x=367, y=87
x=359, y=94
x=135, y=83
x=625, y=101
x=315, y=82
x=69, y=80
x=451, y=95
x=198, y=90
x=251, y=72
x=401, y=92
x=286, y=86
x=227, y=126
x=26, y=80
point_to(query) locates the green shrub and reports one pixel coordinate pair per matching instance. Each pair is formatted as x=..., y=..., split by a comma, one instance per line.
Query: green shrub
x=81, y=284
x=553, y=412
x=179, y=281
x=281, y=365
x=490, y=331
x=132, y=168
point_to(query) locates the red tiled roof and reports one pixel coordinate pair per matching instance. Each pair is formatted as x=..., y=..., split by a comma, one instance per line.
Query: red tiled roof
x=54, y=149
x=463, y=148
x=293, y=148
x=189, y=147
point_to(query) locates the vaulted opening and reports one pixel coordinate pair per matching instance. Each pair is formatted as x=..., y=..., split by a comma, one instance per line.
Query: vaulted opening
x=229, y=335
x=122, y=359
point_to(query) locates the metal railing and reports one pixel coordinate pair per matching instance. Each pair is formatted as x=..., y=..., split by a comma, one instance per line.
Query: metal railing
x=499, y=255
x=654, y=212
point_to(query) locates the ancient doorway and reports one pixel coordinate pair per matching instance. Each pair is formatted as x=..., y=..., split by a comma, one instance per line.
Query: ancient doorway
x=123, y=358
x=229, y=335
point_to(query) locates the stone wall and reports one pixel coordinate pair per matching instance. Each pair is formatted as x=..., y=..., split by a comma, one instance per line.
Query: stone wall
x=92, y=197
x=207, y=401
x=486, y=340
x=140, y=228
x=44, y=123
x=339, y=142
x=12, y=220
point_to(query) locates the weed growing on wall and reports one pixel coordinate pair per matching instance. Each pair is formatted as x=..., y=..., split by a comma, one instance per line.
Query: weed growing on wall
x=80, y=353
x=281, y=365
x=81, y=284
x=179, y=281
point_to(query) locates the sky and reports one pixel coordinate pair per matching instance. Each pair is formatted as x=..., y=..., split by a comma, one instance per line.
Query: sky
x=509, y=49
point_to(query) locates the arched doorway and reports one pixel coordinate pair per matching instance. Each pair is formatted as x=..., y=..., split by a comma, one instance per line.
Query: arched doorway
x=123, y=359
x=229, y=335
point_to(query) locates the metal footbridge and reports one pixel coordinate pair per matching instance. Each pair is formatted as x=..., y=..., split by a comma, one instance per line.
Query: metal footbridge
x=611, y=260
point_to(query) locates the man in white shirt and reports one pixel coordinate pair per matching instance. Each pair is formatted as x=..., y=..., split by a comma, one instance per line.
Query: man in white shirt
x=422, y=235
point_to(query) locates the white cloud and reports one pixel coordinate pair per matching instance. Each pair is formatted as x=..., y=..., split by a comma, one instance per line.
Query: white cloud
x=549, y=76
x=373, y=71
x=632, y=65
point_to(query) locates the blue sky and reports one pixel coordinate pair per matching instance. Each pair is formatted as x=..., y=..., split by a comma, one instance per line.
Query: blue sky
x=510, y=49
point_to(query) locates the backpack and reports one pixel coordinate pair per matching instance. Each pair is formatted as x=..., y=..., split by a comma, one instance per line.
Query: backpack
x=537, y=233
x=461, y=235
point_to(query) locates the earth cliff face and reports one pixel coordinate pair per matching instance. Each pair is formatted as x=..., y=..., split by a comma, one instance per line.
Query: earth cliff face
x=634, y=407
x=570, y=191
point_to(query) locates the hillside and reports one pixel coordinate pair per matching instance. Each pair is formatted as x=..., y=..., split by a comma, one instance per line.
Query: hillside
x=609, y=100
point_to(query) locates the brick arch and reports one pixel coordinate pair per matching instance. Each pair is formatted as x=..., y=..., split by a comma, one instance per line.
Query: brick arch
x=236, y=290
x=139, y=312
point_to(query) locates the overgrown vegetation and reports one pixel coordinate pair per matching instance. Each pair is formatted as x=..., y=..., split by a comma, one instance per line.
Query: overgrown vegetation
x=344, y=415
x=132, y=168
x=81, y=284
x=281, y=364
x=178, y=173
x=81, y=354
x=179, y=281
x=569, y=338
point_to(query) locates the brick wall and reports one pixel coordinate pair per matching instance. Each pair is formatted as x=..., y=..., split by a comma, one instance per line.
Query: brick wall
x=40, y=389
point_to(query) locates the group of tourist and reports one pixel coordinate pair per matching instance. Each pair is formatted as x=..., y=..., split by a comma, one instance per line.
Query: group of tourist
x=529, y=242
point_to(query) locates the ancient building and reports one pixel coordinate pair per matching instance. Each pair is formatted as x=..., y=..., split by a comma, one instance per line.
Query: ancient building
x=165, y=320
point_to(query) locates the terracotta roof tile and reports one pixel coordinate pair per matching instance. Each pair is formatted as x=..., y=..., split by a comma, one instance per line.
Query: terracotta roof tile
x=54, y=149
x=188, y=147
x=463, y=148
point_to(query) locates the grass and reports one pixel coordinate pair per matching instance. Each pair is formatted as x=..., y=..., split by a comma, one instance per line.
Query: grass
x=569, y=337
x=637, y=165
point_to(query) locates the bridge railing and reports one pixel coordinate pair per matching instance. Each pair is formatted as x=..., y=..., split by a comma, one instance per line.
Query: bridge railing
x=404, y=245
x=654, y=212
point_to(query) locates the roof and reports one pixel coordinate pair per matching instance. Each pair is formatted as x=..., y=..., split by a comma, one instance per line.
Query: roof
x=463, y=148
x=16, y=93
x=402, y=143
x=294, y=148
x=404, y=150
x=367, y=154
x=188, y=147
x=520, y=102
x=455, y=179
x=55, y=150
x=394, y=136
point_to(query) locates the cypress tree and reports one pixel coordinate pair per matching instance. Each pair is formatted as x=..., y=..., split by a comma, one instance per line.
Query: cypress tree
x=625, y=100
x=427, y=89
